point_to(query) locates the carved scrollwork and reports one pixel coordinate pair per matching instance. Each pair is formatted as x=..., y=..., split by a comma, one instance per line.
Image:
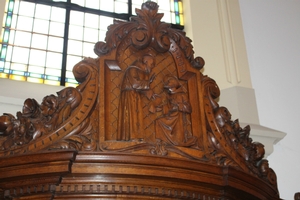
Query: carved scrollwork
x=147, y=30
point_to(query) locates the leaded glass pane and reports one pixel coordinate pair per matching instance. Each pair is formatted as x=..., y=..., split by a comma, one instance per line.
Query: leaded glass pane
x=20, y=55
x=121, y=7
x=37, y=57
x=75, y=47
x=95, y=4
x=42, y=11
x=54, y=60
x=24, y=23
x=91, y=20
x=76, y=32
x=40, y=26
x=58, y=14
x=57, y=29
x=55, y=44
x=26, y=9
x=22, y=39
x=76, y=18
x=39, y=41
x=107, y=5
x=91, y=35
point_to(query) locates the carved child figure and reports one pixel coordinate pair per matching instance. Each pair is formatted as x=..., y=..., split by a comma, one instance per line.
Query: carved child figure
x=172, y=126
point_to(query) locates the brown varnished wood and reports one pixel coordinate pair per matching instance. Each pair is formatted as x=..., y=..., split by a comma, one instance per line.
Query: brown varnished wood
x=142, y=124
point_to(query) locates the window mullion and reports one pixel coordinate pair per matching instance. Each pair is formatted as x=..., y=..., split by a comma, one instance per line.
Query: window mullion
x=65, y=48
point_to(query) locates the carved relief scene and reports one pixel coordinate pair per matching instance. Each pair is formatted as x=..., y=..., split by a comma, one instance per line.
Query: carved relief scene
x=144, y=95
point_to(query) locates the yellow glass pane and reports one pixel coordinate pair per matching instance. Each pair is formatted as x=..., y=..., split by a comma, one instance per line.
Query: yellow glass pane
x=17, y=77
x=50, y=82
x=181, y=19
x=180, y=7
x=3, y=75
x=71, y=85
x=35, y=80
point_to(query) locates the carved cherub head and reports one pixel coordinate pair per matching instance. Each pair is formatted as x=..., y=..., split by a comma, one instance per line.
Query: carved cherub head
x=171, y=83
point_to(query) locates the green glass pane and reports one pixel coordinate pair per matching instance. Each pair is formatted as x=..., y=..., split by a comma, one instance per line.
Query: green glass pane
x=90, y=35
x=3, y=52
x=72, y=61
x=24, y=23
x=55, y=44
x=41, y=26
x=8, y=21
x=91, y=20
x=42, y=11
x=8, y=53
x=37, y=57
x=10, y=6
x=121, y=7
x=88, y=49
x=76, y=18
x=22, y=39
x=26, y=9
x=107, y=5
x=34, y=75
x=39, y=41
x=75, y=47
x=20, y=55
x=53, y=72
x=57, y=29
x=6, y=35
x=58, y=14
x=36, y=70
x=95, y=4
x=54, y=60
x=17, y=73
x=75, y=32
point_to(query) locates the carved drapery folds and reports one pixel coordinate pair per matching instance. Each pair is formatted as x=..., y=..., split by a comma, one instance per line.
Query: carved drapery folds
x=143, y=95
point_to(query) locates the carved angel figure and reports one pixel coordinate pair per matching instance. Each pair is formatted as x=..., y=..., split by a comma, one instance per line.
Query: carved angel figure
x=136, y=82
x=172, y=126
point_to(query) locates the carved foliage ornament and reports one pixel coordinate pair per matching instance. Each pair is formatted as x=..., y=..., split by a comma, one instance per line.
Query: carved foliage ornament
x=144, y=94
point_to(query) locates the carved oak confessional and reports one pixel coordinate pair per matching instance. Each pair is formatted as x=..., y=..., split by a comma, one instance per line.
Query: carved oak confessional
x=142, y=124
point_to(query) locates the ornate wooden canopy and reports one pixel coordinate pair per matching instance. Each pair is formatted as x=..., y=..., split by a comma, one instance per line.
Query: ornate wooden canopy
x=143, y=123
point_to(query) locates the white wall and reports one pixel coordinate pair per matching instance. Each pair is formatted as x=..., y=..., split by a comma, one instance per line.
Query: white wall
x=272, y=35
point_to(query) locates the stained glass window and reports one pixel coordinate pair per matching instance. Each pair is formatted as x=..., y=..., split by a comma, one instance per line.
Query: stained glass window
x=42, y=40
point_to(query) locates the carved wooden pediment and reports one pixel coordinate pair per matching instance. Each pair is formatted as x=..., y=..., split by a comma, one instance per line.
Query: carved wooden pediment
x=142, y=110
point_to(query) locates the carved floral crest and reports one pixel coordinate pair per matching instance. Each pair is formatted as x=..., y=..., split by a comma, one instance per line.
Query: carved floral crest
x=144, y=94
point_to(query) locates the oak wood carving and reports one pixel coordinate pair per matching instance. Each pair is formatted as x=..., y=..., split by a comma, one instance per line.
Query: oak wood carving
x=143, y=123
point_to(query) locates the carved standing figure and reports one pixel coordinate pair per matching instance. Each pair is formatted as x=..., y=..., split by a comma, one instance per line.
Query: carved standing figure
x=136, y=82
x=172, y=126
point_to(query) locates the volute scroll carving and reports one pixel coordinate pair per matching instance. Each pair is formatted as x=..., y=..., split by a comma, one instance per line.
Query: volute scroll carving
x=144, y=96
